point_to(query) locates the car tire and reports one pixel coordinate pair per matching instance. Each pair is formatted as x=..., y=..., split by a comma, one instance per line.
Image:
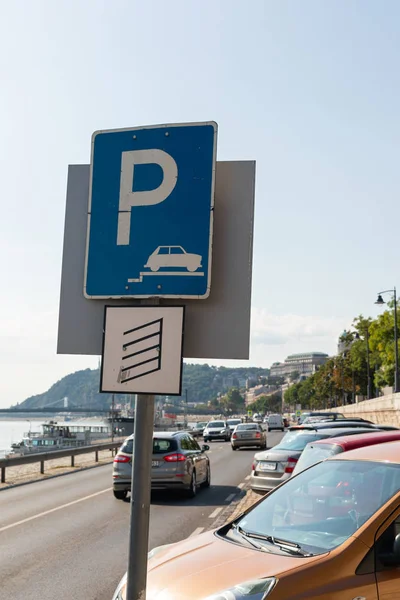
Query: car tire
x=192, y=491
x=207, y=482
x=283, y=429
x=234, y=447
x=120, y=494
x=228, y=439
x=205, y=440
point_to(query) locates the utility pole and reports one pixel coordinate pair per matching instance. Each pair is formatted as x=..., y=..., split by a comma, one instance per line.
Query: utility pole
x=140, y=497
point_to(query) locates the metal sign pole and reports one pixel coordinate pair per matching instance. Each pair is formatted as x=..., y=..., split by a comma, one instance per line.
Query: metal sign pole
x=140, y=497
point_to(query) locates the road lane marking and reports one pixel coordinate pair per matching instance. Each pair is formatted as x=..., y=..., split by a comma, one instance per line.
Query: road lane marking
x=197, y=531
x=52, y=510
x=248, y=477
x=215, y=513
x=221, y=448
x=230, y=498
x=241, y=486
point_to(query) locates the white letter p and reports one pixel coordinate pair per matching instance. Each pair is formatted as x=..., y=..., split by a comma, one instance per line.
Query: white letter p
x=128, y=198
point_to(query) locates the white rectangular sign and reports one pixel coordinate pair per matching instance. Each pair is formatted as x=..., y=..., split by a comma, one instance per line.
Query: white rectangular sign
x=142, y=350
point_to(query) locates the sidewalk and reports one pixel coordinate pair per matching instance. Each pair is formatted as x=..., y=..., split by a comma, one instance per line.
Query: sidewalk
x=28, y=473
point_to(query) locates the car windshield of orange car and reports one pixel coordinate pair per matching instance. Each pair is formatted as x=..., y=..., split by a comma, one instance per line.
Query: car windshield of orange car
x=322, y=507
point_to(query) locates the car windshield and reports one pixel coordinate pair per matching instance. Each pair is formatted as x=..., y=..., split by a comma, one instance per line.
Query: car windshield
x=315, y=453
x=215, y=424
x=160, y=446
x=298, y=440
x=246, y=426
x=322, y=507
x=200, y=425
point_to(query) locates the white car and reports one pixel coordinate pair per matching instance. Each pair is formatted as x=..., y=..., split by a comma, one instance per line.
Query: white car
x=173, y=256
x=232, y=423
x=276, y=422
x=217, y=430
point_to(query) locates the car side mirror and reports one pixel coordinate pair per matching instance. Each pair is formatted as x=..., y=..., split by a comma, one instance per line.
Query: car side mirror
x=392, y=559
x=204, y=448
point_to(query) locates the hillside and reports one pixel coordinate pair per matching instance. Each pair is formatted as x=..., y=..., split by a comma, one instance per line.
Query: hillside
x=202, y=382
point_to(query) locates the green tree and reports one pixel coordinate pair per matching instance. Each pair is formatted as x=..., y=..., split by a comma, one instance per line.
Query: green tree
x=382, y=346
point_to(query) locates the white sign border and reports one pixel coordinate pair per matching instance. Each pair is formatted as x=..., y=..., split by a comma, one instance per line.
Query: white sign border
x=112, y=306
x=210, y=246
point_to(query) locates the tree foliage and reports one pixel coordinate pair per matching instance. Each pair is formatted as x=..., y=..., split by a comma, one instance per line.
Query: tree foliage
x=346, y=375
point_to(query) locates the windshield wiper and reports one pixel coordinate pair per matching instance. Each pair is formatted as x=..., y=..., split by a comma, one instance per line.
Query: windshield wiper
x=246, y=537
x=285, y=545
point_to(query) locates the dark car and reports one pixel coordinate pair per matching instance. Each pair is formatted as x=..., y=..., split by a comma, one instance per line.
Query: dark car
x=324, y=415
x=178, y=463
x=271, y=467
x=315, y=452
x=339, y=423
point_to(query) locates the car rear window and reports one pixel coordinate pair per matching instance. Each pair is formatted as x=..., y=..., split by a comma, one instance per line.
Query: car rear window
x=298, y=440
x=315, y=454
x=233, y=421
x=160, y=446
x=247, y=426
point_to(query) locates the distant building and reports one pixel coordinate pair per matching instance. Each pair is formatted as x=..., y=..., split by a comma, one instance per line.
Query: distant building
x=304, y=364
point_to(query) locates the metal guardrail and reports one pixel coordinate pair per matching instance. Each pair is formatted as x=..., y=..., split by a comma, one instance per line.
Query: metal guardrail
x=42, y=457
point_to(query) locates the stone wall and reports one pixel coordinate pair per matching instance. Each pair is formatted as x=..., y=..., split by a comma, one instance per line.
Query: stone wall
x=384, y=410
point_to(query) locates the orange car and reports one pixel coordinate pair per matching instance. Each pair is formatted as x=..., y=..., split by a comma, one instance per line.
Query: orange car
x=332, y=532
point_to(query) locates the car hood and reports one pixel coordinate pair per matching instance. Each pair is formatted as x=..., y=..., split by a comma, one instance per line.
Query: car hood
x=206, y=564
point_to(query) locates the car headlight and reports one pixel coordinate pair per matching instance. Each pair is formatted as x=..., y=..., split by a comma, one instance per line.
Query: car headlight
x=256, y=590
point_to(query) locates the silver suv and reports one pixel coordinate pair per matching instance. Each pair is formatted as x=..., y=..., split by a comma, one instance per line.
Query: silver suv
x=217, y=430
x=178, y=463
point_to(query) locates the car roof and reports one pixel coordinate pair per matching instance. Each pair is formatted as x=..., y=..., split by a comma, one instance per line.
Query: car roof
x=389, y=452
x=337, y=431
x=370, y=437
x=338, y=423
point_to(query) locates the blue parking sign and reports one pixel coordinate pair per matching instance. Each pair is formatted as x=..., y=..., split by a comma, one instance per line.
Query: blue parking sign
x=150, y=215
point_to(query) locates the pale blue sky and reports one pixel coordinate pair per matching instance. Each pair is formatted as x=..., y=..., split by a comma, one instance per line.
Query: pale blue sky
x=310, y=90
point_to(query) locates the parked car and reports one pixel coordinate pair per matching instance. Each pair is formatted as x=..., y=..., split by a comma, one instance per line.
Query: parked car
x=217, y=430
x=324, y=415
x=314, y=452
x=271, y=467
x=198, y=429
x=276, y=422
x=257, y=419
x=173, y=256
x=248, y=435
x=232, y=423
x=322, y=535
x=333, y=424
x=178, y=463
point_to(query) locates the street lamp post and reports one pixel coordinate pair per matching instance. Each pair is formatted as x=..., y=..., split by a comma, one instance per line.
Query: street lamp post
x=381, y=301
x=369, y=387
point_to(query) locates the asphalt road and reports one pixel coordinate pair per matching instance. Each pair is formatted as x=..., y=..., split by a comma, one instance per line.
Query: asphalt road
x=67, y=537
